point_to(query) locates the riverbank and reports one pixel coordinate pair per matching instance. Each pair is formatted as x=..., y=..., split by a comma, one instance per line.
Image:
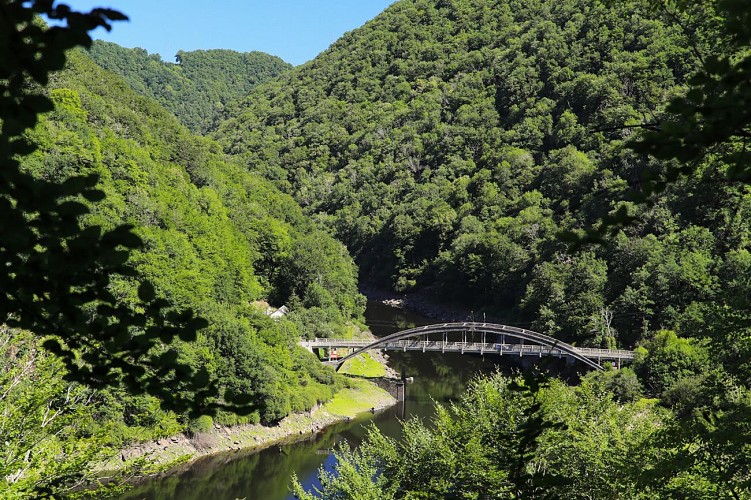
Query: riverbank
x=369, y=365
x=182, y=449
x=264, y=473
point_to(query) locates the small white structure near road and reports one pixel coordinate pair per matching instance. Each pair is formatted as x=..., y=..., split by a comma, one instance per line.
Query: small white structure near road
x=279, y=313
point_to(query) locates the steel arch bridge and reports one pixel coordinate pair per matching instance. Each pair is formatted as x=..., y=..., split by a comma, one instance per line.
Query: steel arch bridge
x=542, y=345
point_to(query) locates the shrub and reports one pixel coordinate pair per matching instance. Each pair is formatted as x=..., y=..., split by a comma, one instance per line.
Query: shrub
x=204, y=423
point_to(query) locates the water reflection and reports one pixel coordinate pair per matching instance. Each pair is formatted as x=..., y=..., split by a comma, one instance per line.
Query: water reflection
x=262, y=475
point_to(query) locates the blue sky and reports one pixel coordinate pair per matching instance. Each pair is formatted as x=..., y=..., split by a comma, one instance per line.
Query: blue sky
x=295, y=30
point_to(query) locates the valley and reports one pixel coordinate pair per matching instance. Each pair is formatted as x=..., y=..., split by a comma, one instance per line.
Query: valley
x=177, y=235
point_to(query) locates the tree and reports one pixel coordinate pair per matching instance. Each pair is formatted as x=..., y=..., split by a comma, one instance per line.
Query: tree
x=46, y=423
x=524, y=437
x=714, y=116
x=57, y=275
x=707, y=126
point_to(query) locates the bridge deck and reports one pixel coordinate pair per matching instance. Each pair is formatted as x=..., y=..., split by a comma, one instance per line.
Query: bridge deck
x=473, y=348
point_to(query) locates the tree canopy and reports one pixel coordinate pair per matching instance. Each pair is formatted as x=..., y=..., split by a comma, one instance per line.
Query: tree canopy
x=448, y=144
x=200, y=89
x=136, y=256
x=665, y=197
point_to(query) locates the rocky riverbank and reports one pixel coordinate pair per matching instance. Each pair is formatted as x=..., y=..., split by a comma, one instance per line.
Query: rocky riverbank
x=363, y=396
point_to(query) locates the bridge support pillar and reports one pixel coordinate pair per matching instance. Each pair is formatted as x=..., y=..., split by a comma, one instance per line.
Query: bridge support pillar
x=401, y=387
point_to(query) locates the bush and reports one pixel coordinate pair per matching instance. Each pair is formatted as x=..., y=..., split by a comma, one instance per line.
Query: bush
x=204, y=423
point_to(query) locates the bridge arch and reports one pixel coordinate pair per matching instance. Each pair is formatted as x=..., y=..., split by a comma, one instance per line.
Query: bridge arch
x=492, y=328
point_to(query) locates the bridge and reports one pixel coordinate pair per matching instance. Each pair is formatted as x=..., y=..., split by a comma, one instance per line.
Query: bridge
x=525, y=343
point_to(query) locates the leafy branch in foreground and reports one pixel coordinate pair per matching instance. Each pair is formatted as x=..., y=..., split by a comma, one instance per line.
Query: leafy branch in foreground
x=56, y=279
x=521, y=437
x=525, y=441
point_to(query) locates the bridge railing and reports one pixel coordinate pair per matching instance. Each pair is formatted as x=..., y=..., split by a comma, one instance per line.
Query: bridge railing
x=528, y=343
x=479, y=347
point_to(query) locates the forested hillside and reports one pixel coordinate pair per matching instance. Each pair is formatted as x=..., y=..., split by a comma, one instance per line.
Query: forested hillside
x=217, y=238
x=447, y=143
x=451, y=144
x=199, y=87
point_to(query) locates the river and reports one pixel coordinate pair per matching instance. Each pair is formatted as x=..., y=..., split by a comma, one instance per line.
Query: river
x=265, y=475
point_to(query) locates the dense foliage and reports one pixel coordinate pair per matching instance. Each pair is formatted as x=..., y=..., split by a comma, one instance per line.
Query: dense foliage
x=673, y=230
x=216, y=238
x=674, y=426
x=205, y=234
x=449, y=143
x=491, y=444
x=57, y=276
x=199, y=88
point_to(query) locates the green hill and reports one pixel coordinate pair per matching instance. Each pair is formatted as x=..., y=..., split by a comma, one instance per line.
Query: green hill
x=448, y=142
x=199, y=88
x=217, y=238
